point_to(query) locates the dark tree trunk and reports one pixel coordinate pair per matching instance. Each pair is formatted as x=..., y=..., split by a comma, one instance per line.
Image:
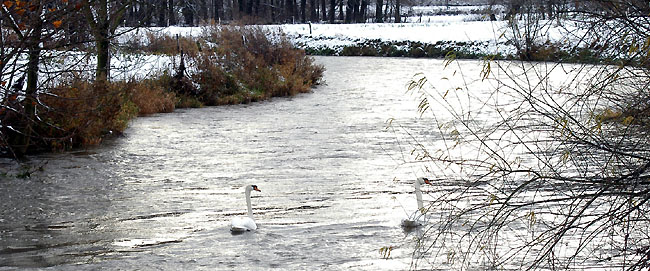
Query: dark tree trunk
x=332, y=11
x=379, y=18
x=398, y=16
x=241, y=4
x=249, y=7
x=256, y=7
x=348, y=12
x=103, y=46
x=149, y=14
x=290, y=10
x=234, y=9
x=323, y=10
x=102, y=42
x=303, y=11
x=341, y=13
x=387, y=12
x=162, y=11
x=22, y=142
x=355, y=11
x=203, y=11
x=130, y=17
x=218, y=10
x=362, y=11
x=172, y=13
x=188, y=15
x=313, y=14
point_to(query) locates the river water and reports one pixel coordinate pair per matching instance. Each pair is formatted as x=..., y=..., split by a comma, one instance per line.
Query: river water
x=333, y=188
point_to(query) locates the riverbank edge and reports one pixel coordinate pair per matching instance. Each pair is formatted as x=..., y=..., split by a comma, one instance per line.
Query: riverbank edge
x=547, y=52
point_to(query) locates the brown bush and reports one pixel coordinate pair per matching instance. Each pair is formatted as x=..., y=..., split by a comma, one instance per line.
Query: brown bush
x=161, y=43
x=150, y=98
x=79, y=113
x=245, y=65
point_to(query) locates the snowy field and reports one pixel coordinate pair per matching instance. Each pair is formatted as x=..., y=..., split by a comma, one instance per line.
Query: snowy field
x=427, y=24
x=492, y=34
x=337, y=35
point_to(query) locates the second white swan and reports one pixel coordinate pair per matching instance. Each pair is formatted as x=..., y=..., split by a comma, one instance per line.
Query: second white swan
x=417, y=218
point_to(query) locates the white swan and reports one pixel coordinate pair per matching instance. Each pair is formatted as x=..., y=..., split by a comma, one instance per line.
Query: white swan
x=242, y=224
x=417, y=218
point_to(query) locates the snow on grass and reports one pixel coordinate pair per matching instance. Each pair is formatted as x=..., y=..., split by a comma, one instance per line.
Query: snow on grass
x=417, y=32
x=492, y=36
x=335, y=36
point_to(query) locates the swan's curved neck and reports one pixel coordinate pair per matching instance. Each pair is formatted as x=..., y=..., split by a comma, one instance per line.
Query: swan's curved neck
x=248, y=202
x=418, y=194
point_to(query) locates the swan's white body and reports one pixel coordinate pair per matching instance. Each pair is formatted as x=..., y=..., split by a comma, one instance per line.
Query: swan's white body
x=417, y=218
x=239, y=224
x=242, y=224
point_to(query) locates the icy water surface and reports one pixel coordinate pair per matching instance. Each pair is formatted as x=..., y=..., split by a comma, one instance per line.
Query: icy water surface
x=162, y=196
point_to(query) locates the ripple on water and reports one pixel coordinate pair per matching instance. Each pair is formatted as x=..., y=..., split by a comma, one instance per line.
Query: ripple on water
x=162, y=196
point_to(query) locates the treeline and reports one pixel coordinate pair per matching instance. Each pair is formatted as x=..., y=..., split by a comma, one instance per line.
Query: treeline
x=195, y=12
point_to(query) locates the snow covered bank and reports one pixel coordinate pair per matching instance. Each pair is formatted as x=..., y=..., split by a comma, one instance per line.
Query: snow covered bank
x=336, y=36
x=445, y=32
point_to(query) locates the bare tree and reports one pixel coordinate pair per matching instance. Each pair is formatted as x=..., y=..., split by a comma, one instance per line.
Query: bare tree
x=543, y=165
x=104, y=17
x=28, y=28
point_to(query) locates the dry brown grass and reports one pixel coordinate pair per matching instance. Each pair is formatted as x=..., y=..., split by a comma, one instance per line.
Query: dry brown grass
x=152, y=98
x=245, y=66
x=79, y=113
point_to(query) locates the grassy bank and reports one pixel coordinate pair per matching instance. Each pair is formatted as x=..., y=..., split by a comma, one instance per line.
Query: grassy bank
x=225, y=65
x=462, y=50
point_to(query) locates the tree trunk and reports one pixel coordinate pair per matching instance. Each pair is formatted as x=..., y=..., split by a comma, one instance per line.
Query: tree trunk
x=303, y=11
x=101, y=41
x=271, y=10
x=362, y=11
x=341, y=13
x=203, y=10
x=241, y=7
x=379, y=18
x=398, y=16
x=313, y=14
x=172, y=13
x=249, y=7
x=188, y=13
x=349, y=11
x=103, y=62
x=218, y=10
x=256, y=7
x=29, y=103
x=332, y=11
x=162, y=10
x=355, y=11
x=289, y=9
x=387, y=12
x=146, y=12
x=323, y=10
x=102, y=27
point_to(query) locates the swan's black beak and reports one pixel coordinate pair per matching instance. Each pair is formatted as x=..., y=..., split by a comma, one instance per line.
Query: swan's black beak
x=256, y=189
x=427, y=181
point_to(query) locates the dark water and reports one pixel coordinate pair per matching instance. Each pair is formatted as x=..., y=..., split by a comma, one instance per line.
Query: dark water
x=162, y=196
